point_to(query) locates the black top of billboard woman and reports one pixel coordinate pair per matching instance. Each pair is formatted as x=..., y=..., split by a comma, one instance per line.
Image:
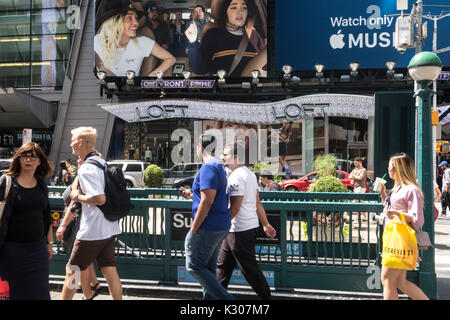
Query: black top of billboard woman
x=214, y=52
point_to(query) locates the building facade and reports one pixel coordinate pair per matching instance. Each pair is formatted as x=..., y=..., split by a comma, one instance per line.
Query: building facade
x=47, y=73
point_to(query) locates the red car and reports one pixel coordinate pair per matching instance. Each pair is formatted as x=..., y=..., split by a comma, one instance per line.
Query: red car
x=303, y=183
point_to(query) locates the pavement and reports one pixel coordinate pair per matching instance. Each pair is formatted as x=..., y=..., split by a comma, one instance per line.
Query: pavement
x=152, y=290
x=442, y=255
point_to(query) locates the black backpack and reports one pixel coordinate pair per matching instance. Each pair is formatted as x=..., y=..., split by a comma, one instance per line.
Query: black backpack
x=118, y=202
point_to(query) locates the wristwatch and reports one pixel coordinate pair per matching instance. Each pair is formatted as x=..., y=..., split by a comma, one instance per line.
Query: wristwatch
x=49, y=242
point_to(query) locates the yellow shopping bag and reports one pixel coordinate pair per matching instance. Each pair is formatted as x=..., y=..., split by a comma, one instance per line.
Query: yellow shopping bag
x=399, y=246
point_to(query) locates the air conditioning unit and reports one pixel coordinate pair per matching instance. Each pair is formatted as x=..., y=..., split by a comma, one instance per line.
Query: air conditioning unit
x=404, y=33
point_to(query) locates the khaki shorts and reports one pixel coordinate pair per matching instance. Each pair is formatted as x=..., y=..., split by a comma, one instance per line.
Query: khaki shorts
x=85, y=252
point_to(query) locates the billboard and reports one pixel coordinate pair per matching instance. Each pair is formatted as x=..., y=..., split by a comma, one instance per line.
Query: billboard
x=170, y=36
x=336, y=33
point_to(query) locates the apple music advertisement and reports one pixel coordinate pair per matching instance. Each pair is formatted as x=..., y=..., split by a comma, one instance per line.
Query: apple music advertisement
x=169, y=36
x=336, y=33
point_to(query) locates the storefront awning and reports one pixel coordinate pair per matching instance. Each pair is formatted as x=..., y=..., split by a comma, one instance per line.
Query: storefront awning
x=443, y=111
x=341, y=105
x=21, y=110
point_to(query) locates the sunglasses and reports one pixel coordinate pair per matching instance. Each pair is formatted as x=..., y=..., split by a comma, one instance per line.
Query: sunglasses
x=28, y=156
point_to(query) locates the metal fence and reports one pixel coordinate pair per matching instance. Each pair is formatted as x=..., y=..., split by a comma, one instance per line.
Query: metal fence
x=322, y=241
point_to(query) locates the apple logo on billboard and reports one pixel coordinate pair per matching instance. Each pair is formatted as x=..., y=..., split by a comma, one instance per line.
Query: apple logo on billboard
x=337, y=40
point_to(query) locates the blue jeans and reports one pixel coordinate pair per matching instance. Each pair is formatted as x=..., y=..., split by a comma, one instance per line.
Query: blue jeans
x=202, y=251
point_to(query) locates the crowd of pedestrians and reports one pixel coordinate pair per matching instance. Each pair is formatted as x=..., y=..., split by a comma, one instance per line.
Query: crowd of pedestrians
x=226, y=212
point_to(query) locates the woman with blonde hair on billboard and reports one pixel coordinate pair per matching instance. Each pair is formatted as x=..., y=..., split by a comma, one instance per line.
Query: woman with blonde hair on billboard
x=117, y=47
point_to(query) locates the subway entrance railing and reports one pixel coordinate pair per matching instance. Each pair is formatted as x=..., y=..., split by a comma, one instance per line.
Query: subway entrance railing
x=322, y=242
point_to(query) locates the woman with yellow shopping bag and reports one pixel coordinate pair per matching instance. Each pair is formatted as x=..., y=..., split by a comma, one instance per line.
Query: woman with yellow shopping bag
x=402, y=216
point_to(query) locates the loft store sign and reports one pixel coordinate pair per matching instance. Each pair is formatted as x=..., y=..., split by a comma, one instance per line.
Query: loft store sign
x=259, y=113
x=156, y=112
x=289, y=112
x=294, y=111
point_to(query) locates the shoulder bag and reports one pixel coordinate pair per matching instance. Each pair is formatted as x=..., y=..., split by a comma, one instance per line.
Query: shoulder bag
x=423, y=240
x=3, y=202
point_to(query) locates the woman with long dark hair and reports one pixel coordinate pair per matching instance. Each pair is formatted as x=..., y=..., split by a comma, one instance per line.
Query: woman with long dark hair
x=26, y=236
x=227, y=47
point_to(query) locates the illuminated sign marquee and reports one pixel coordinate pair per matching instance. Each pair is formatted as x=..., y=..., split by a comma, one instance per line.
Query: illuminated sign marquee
x=274, y=112
x=203, y=84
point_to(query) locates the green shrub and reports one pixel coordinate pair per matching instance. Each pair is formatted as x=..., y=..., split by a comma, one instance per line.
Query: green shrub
x=327, y=184
x=153, y=176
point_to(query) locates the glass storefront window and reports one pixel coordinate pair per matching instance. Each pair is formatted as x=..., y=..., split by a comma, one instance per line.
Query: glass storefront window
x=34, y=43
x=337, y=140
x=357, y=131
x=48, y=74
x=54, y=3
x=11, y=140
x=49, y=21
x=289, y=144
x=14, y=23
x=50, y=47
x=9, y=5
x=347, y=135
x=155, y=136
x=14, y=50
x=319, y=136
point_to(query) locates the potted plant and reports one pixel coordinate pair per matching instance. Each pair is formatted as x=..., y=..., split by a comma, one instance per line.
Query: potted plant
x=153, y=177
x=328, y=182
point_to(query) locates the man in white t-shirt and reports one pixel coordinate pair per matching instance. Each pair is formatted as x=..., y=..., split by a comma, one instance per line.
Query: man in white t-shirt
x=246, y=210
x=96, y=238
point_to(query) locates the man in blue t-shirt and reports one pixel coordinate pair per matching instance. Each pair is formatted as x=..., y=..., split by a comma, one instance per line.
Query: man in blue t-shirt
x=211, y=222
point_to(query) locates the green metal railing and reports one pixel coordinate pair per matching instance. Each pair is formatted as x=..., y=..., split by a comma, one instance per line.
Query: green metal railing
x=323, y=243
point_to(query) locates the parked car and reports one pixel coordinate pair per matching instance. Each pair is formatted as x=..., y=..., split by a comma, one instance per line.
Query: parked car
x=4, y=165
x=344, y=165
x=303, y=183
x=181, y=175
x=133, y=171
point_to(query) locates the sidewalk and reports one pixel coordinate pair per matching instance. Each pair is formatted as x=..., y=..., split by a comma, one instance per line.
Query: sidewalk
x=152, y=290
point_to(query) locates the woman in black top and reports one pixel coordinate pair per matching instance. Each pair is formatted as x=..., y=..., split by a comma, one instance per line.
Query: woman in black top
x=219, y=46
x=25, y=232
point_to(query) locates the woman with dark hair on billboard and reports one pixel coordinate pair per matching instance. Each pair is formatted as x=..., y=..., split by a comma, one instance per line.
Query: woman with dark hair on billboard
x=118, y=49
x=226, y=47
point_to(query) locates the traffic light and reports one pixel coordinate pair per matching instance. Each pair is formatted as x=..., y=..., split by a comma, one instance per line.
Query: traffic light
x=434, y=117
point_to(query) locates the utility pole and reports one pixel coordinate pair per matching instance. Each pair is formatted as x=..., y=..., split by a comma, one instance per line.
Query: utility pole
x=436, y=129
x=418, y=19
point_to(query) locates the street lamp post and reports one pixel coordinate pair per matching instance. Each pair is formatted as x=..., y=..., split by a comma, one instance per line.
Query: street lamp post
x=425, y=67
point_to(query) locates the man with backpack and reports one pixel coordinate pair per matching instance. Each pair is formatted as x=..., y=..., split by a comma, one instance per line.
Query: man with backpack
x=96, y=238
